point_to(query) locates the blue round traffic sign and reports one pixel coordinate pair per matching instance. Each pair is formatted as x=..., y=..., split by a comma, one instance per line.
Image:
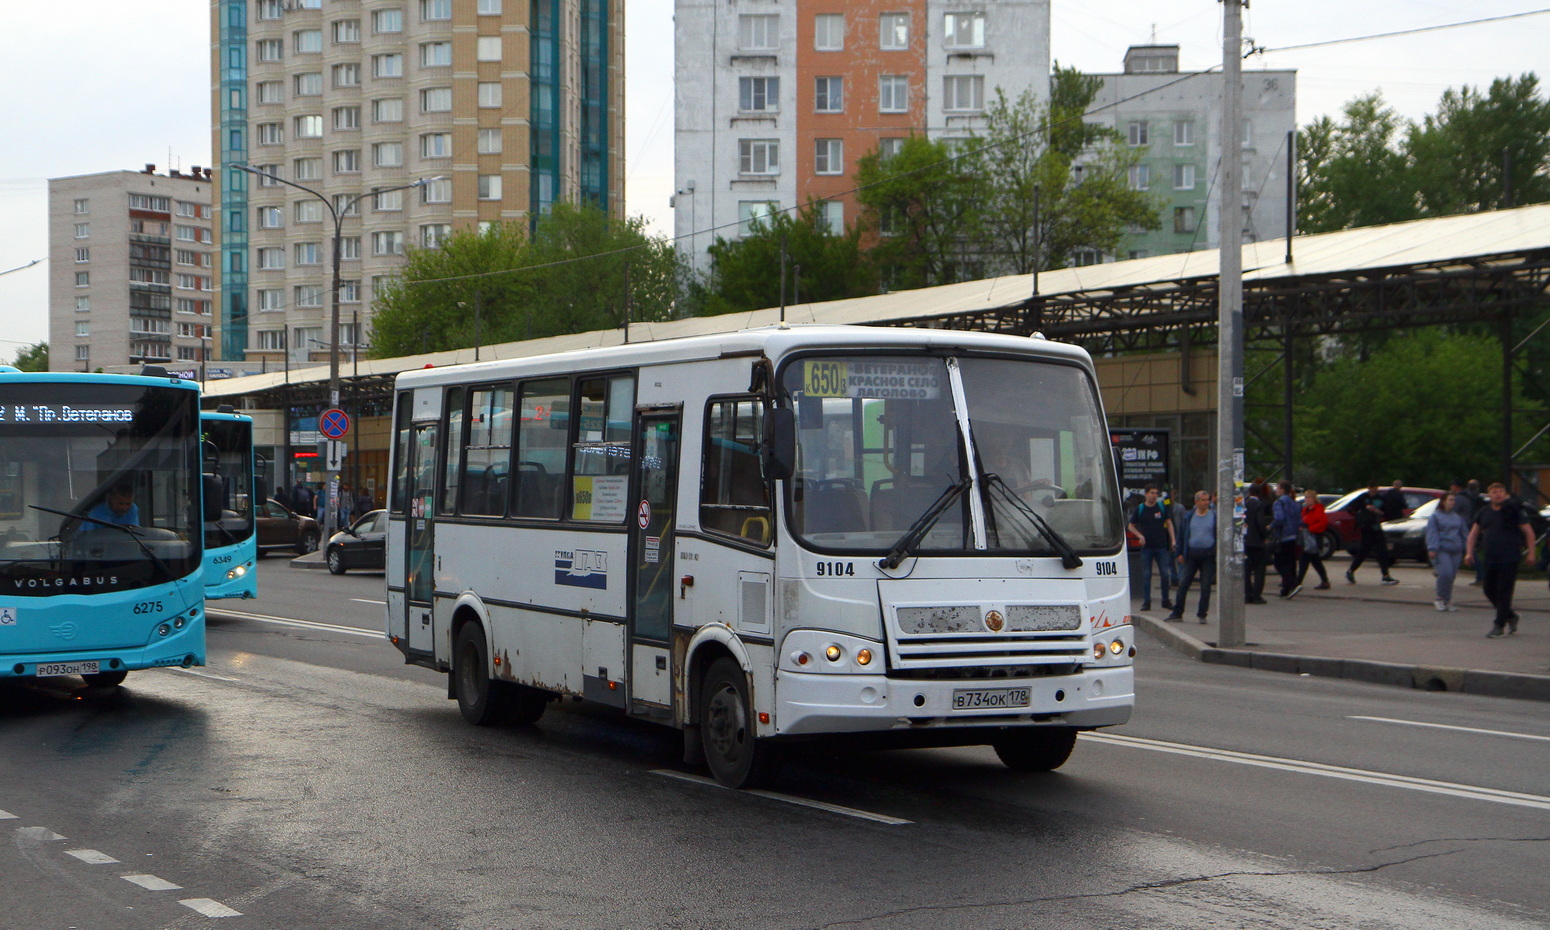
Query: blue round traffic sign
x=334, y=423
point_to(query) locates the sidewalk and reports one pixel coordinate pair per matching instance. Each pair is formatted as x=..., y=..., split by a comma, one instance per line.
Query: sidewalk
x=1380, y=633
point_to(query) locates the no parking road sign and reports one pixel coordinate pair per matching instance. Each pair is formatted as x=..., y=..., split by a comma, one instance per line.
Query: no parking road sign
x=334, y=423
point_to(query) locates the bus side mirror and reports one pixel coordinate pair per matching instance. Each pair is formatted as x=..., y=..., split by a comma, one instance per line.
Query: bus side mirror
x=780, y=443
x=261, y=488
x=214, y=491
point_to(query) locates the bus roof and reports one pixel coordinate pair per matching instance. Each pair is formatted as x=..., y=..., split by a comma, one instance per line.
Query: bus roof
x=84, y=377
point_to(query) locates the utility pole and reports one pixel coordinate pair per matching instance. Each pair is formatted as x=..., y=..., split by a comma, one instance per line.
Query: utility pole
x=1229, y=373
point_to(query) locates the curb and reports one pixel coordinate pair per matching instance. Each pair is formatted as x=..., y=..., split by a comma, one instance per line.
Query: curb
x=1422, y=677
x=312, y=560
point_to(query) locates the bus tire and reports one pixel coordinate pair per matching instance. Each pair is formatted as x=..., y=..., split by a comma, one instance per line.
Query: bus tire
x=524, y=705
x=1035, y=749
x=479, y=698
x=736, y=756
x=106, y=679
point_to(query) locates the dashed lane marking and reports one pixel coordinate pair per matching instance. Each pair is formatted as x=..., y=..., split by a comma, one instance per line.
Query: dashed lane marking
x=40, y=834
x=1448, y=726
x=151, y=882
x=303, y=624
x=197, y=674
x=5, y=815
x=209, y=907
x=91, y=856
x=367, y=600
x=788, y=799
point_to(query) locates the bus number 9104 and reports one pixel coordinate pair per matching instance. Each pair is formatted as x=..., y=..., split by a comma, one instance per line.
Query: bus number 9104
x=836, y=569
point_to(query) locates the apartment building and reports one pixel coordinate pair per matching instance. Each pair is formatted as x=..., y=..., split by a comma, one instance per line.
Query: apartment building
x=778, y=99
x=130, y=270
x=1174, y=119
x=498, y=108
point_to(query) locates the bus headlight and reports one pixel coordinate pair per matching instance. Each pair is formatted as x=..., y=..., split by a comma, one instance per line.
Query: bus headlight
x=834, y=653
x=237, y=572
x=864, y=657
x=1117, y=647
x=1098, y=651
x=830, y=652
x=164, y=629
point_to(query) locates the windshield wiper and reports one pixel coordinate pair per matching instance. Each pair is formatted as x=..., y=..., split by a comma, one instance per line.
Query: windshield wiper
x=923, y=524
x=127, y=529
x=1068, y=556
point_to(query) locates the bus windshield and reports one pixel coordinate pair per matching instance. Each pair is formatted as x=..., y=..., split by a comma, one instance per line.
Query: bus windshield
x=96, y=487
x=228, y=456
x=879, y=441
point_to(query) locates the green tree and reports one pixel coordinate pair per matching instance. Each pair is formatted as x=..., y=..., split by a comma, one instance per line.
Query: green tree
x=32, y=358
x=504, y=284
x=920, y=203
x=821, y=265
x=1479, y=147
x=1355, y=172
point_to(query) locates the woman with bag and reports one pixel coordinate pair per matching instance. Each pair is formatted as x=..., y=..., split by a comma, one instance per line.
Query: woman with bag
x=1315, y=523
x=1446, y=534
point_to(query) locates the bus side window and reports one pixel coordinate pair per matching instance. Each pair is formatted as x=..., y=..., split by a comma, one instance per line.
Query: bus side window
x=542, y=433
x=734, y=497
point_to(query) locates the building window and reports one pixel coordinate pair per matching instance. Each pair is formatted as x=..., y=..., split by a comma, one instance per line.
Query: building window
x=83, y=230
x=83, y=353
x=435, y=10
x=190, y=257
x=271, y=9
x=489, y=187
x=390, y=64
x=271, y=92
x=893, y=93
x=269, y=339
x=349, y=293
x=308, y=127
x=963, y=30
x=83, y=279
x=347, y=161
x=271, y=49
x=347, y=118
x=1183, y=219
x=433, y=235
x=309, y=84
x=753, y=211
x=271, y=259
x=309, y=253
x=963, y=92
x=271, y=217
x=309, y=211
x=307, y=41
x=888, y=147
x=435, y=54
x=436, y=145
x=437, y=191
x=489, y=141
x=346, y=205
x=1084, y=257
x=757, y=32
x=346, y=31
x=308, y=295
x=270, y=299
x=758, y=94
x=83, y=328
x=387, y=21
x=387, y=110
x=349, y=248
x=268, y=174
x=829, y=32
x=758, y=156
x=347, y=75
x=149, y=202
x=387, y=154
x=829, y=156
x=829, y=94
x=490, y=93
x=893, y=32
x=489, y=7
x=436, y=100
x=1140, y=177
x=270, y=134
x=83, y=305
x=390, y=242
x=307, y=169
x=83, y=205
x=389, y=201
x=1137, y=133
x=488, y=48
x=82, y=255
x=1184, y=132
x=1183, y=177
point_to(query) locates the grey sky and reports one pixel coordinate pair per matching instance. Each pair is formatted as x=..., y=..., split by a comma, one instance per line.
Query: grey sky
x=111, y=86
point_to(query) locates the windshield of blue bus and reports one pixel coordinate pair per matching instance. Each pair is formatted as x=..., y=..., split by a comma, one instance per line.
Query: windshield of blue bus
x=98, y=487
x=879, y=442
x=227, y=455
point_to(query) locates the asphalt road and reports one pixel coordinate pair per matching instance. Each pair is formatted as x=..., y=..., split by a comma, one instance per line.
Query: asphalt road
x=306, y=778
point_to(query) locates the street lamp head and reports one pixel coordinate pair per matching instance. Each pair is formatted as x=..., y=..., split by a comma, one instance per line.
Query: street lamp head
x=424, y=181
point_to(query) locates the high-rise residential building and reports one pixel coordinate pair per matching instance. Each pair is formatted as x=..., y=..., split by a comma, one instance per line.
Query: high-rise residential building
x=1174, y=119
x=130, y=270
x=778, y=100
x=512, y=105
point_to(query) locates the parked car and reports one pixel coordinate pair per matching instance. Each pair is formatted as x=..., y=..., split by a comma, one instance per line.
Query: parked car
x=279, y=527
x=363, y=544
x=1407, y=537
x=1342, y=532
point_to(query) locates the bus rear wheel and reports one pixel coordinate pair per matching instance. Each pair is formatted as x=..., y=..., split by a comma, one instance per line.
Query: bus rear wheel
x=480, y=699
x=1035, y=749
x=736, y=756
x=106, y=679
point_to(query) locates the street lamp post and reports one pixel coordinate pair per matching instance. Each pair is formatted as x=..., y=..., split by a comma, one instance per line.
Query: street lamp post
x=337, y=213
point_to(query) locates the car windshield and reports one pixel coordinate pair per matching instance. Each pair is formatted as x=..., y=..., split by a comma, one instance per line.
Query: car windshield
x=879, y=441
x=1425, y=510
x=96, y=487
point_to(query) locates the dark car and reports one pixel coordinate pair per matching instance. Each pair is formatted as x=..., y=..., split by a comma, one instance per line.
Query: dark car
x=1343, y=533
x=363, y=544
x=279, y=527
x=1407, y=537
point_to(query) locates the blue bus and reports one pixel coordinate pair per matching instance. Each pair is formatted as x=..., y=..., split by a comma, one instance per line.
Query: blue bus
x=231, y=543
x=102, y=513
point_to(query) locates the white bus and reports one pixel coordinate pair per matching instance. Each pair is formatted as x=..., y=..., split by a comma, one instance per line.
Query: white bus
x=907, y=537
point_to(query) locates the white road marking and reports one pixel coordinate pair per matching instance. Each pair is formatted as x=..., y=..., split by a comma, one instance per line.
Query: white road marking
x=789, y=799
x=1451, y=789
x=151, y=882
x=91, y=856
x=1445, y=726
x=209, y=907
x=189, y=671
x=303, y=624
x=42, y=834
x=5, y=815
x=367, y=600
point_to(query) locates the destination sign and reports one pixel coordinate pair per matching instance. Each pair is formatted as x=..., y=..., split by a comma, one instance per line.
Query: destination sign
x=888, y=380
x=41, y=414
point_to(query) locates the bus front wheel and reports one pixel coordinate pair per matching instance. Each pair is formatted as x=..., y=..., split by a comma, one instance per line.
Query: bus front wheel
x=736, y=756
x=1035, y=749
x=479, y=699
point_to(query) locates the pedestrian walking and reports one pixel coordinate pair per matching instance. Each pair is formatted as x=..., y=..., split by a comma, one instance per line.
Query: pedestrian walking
x=1476, y=503
x=301, y=499
x=1151, y=525
x=1394, y=504
x=364, y=503
x=1256, y=542
x=1315, y=523
x=1502, y=538
x=346, y=506
x=1373, y=544
x=1447, y=534
x=1285, y=524
x=1195, y=548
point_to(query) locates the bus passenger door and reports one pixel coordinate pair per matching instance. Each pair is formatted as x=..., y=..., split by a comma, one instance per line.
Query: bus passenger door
x=419, y=548
x=653, y=576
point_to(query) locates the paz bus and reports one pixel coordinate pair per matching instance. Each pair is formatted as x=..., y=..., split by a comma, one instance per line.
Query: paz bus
x=101, y=525
x=899, y=537
x=231, y=541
